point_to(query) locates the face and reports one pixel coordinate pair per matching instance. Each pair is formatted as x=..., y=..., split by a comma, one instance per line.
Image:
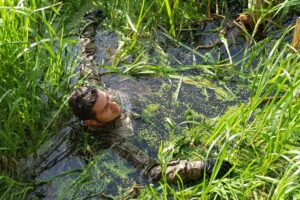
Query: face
x=105, y=109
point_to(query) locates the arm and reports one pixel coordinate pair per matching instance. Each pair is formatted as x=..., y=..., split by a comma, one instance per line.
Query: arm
x=189, y=170
x=150, y=168
x=136, y=157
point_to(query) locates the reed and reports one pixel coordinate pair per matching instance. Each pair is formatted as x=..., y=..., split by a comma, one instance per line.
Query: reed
x=260, y=139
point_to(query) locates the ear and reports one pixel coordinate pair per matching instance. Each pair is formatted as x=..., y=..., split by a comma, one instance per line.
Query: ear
x=91, y=122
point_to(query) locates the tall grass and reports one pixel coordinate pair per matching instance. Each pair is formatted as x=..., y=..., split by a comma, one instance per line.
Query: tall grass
x=34, y=75
x=260, y=139
x=138, y=20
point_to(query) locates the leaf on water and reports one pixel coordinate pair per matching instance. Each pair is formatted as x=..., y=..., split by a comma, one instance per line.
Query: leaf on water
x=176, y=94
x=222, y=94
x=224, y=41
x=198, y=82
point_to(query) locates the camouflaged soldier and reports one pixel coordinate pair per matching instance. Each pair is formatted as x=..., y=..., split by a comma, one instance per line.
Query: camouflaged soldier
x=104, y=116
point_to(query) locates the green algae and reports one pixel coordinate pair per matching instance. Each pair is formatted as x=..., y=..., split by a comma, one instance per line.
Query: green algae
x=149, y=136
x=118, y=169
x=148, y=113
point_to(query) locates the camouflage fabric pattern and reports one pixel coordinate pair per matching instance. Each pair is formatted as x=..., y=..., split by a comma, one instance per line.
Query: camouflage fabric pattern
x=87, y=64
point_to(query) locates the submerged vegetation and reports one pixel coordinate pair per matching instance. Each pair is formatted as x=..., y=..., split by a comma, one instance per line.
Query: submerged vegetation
x=259, y=137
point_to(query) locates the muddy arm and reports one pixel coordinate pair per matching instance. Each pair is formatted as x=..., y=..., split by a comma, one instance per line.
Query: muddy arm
x=186, y=170
x=189, y=170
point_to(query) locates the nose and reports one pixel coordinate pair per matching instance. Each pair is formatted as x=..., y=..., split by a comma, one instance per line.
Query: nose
x=115, y=107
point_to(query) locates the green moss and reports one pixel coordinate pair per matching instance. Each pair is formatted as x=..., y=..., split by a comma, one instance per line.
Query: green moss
x=119, y=169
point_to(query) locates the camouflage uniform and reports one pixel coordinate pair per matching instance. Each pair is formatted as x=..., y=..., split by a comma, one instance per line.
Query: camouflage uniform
x=115, y=134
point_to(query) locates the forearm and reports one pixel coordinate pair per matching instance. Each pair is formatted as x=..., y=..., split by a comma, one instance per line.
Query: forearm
x=186, y=170
x=189, y=170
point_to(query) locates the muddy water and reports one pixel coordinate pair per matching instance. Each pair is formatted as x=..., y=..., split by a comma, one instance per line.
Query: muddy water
x=159, y=102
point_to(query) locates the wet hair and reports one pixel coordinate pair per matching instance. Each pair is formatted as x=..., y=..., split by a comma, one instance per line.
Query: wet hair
x=82, y=101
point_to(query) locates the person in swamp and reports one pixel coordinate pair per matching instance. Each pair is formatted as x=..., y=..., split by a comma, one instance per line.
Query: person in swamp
x=105, y=118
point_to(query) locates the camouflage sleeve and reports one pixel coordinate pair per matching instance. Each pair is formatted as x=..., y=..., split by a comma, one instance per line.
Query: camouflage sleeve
x=87, y=65
x=138, y=158
x=189, y=170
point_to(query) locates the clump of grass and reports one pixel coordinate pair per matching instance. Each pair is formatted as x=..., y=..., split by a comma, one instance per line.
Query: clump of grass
x=139, y=21
x=260, y=139
x=34, y=74
x=148, y=113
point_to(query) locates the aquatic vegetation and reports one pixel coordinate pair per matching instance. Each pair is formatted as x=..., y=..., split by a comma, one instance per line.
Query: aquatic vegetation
x=148, y=113
x=255, y=137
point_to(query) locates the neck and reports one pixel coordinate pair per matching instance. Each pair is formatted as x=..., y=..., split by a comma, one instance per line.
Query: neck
x=102, y=124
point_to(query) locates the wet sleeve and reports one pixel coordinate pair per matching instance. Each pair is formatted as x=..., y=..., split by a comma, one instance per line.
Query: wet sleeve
x=189, y=170
x=136, y=157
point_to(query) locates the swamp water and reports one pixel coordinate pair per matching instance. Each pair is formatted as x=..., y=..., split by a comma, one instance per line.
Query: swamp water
x=161, y=104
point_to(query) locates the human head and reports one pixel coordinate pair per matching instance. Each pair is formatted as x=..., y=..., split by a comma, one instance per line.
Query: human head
x=93, y=106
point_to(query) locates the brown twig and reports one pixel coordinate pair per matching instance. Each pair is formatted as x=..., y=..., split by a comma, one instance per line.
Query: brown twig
x=296, y=36
x=208, y=46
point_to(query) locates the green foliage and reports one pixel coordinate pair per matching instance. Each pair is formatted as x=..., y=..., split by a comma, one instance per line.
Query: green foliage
x=259, y=138
x=12, y=189
x=138, y=21
x=34, y=75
